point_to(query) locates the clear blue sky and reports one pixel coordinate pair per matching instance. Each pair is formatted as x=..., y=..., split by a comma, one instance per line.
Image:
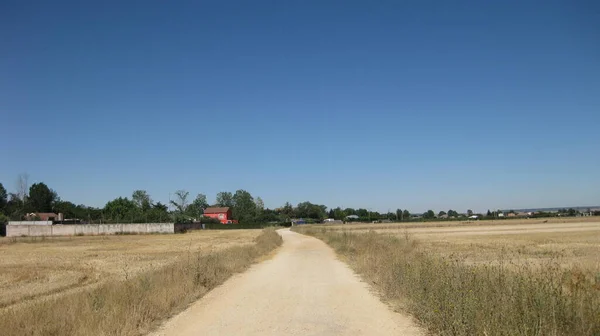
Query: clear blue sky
x=410, y=104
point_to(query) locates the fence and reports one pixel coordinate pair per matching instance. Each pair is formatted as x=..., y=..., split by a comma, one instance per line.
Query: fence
x=87, y=229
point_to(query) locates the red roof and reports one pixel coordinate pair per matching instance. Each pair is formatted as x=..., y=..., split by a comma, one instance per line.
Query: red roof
x=216, y=210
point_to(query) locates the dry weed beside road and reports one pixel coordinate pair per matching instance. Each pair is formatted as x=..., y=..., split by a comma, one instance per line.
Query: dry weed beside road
x=134, y=304
x=452, y=295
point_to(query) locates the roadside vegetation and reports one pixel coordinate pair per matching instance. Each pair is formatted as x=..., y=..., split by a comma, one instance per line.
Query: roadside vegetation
x=452, y=297
x=138, y=303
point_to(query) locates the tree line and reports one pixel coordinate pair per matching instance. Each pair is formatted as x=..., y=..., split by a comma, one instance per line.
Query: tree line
x=183, y=207
x=141, y=208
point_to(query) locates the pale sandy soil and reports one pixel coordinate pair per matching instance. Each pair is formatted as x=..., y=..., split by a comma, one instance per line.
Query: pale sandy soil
x=302, y=290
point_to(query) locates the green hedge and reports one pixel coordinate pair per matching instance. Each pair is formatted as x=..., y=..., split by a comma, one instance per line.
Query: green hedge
x=212, y=226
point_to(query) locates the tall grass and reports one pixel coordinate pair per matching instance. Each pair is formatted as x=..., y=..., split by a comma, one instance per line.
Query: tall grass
x=136, y=305
x=451, y=297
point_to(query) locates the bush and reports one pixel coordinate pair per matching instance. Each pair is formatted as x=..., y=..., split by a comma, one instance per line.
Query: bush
x=209, y=220
x=219, y=226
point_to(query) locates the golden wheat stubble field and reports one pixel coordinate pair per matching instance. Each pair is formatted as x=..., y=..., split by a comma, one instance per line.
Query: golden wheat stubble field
x=533, y=242
x=36, y=267
x=510, y=277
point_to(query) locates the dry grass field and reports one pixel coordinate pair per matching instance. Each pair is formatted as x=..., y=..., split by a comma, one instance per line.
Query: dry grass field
x=570, y=243
x=508, y=277
x=35, y=267
x=118, y=285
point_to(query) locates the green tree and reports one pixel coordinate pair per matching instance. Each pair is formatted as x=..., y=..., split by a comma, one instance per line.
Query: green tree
x=260, y=206
x=142, y=200
x=362, y=213
x=339, y=214
x=3, y=198
x=313, y=211
x=452, y=213
x=406, y=215
x=159, y=213
x=244, y=209
x=121, y=210
x=429, y=214
x=225, y=199
x=181, y=201
x=287, y=211
x=68, y=209
x=442, y=213
x=161, y=207
x=196, y=209
x=41, y=198
x=399, y=214
x=469, y=212
x=15, y=207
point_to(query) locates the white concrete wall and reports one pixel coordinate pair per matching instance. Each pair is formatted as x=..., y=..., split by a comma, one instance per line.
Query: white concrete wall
x=40, y=230
x=17, y=230
x=87, y=229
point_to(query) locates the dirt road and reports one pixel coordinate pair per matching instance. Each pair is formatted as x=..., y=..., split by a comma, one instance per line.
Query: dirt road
x=302, y=290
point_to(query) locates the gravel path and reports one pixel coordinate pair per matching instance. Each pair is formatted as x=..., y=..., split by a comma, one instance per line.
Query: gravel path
x=302, y=290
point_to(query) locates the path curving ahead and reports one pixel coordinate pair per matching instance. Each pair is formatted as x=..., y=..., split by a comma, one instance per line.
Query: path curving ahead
x=302, y=290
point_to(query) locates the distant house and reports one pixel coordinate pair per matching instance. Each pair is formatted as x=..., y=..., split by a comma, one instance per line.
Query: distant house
x=44, y=216
x=223, y=214
x=352, y=217
x=473, y=217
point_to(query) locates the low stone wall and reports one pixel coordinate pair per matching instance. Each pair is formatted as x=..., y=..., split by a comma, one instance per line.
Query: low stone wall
x=87, y=229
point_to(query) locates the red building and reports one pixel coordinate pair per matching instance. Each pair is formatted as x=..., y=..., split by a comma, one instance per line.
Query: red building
x=44, y=216
x=222, y=214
